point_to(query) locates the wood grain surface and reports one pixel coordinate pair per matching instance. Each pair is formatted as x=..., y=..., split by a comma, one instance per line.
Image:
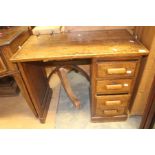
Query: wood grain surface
x=119, y=69
x=8, y=35
x=79, y=45
x=96, y=46
x=94, y=28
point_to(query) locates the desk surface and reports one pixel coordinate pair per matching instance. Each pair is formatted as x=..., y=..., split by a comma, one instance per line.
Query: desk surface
x=79, y=45
x=8, y=35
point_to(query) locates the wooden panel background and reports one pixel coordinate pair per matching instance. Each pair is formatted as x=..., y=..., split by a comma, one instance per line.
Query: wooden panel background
x=147, y=36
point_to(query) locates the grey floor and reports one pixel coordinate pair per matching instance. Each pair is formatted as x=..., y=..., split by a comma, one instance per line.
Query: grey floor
x=68, y=117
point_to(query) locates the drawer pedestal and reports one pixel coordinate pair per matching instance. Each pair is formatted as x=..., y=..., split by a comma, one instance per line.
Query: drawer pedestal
x=112, y=84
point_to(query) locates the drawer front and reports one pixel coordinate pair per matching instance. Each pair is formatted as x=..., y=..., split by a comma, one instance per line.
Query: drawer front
x=3, y=68
x=113, y=86
x=19, y=41
x=116, y=69
x=111, y=112
x=112, y=101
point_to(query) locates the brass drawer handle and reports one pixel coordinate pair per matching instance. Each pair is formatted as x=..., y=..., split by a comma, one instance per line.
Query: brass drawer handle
x=116, y=71
x=110, y=112
x=114, y=87
x=109, y=103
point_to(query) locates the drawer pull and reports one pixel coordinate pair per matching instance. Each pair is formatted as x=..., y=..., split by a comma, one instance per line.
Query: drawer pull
x=19, y=47
x=128, y=71
x=116, y=71
x=109, y=103
x=110, y=112
x=113, y=87
x=125, y=84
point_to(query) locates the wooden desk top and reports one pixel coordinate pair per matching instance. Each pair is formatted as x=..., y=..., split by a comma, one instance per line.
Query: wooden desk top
x=79, y=45
x=8, y=35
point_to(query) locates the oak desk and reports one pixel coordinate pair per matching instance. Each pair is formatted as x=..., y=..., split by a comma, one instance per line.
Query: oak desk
x=115, y=58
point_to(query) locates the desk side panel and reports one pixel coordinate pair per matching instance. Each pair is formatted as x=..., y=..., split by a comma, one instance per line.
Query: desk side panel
x=37, y=84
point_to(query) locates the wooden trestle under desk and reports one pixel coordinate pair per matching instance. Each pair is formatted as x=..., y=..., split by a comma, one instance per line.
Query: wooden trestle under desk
x=115, y=59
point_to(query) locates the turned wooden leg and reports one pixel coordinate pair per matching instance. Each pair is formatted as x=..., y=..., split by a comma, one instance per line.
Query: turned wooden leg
x=62, y=73
x=63, y=77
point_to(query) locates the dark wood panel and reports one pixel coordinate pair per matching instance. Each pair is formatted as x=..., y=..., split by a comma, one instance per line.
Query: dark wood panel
x=37, y=84
x=148, y=118
x=23, y=88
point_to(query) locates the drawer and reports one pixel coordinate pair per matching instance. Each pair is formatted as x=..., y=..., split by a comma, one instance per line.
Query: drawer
x=3, y=67
x=116, y=69
x=113, y=86
x=19, y=41
x=111, y=112
x=112, y=101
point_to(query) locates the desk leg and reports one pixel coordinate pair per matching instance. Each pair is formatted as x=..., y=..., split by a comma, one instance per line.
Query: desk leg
x=36, y=82
x=63, y=77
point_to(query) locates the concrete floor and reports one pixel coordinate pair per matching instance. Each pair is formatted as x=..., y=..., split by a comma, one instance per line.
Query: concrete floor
x=15, y=113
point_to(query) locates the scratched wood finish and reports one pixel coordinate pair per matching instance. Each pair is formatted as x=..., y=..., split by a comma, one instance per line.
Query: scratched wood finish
x=92, y=44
